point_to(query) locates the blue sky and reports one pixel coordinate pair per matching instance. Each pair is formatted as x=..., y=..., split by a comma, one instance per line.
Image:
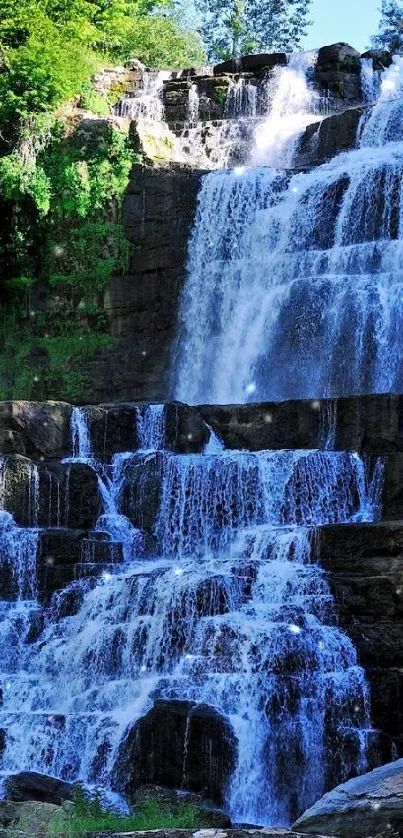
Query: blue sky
x=353, y=21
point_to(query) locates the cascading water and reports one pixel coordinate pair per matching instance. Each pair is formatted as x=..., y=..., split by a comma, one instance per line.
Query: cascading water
x=292, y=105
x=150, y=423
x=145, y=103
x=297, y=292
x=221, y=599
x=231, y=613
x=80, y=432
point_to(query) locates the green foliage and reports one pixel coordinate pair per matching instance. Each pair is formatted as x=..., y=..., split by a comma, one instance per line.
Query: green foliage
x=95, y=103
x=159, y=42
x=88, y=815
x=61, y=189
x=390, y=33
x=221, y=93
x=235, y=27
x=49, y=67
x=76, y=226
x=53, y=47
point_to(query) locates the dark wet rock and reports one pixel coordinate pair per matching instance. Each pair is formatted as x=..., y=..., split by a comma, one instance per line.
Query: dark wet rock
x=69, y=495
x=60, y=546
x=363, y=423
x=337, y=71
x=52, y=494
x=337, y=54
x=332, y=135
x=29, y=785
x=143, y=304
x=142, y=491
x=381, y=57
x=364, y=563
x=112, y=429
x=66, y=556
x=178, y=744
x=364, y=806
x=251, y=63
x=185, y=430
x=243, y=831
x=2, y=736
x=35, y=429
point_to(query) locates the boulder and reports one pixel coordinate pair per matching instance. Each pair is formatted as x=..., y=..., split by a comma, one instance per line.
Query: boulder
x=338, y=71
x=338, y=54
x=180, y=745
x=28, y=820
x=35, y=429
x=381, y=58
x=251, y=63
x=30, y=785
x=135, y=64
x=323, y=140
x=185, y=430
x=364, y=806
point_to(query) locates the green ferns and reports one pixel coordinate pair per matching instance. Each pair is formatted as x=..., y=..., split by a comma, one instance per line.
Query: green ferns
x=65, y=205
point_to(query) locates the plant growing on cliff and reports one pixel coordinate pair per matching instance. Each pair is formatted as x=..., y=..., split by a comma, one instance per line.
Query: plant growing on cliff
x=390, y=33
x=64, y=203
x=237, y=27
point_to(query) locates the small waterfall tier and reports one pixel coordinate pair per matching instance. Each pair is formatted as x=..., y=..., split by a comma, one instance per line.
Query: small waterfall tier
x=297, y=291
x=181, y=578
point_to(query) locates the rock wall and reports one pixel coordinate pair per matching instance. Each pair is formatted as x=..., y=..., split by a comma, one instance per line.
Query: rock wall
x=142, y=305
x=365, y=567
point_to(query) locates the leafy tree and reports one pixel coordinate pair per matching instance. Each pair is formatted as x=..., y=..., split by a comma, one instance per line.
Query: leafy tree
x=234, y=27
x=52, y=47
x=159, y=42
x=390, y=33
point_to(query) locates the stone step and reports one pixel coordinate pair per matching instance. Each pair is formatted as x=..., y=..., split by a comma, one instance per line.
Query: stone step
x=372, y=424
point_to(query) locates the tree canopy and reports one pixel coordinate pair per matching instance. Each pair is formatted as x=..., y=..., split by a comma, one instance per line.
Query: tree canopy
x=235, y=27
x=390, y=33
x=52, y=47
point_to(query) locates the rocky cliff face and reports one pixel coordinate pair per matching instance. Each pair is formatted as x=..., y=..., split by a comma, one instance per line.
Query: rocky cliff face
x=142, y=305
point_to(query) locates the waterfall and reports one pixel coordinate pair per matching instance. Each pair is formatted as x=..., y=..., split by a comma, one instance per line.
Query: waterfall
x=232, y=611
x=145, y=103
x=370, y=81
x=150, y=423
x=293, y=104
x=241, y=100
x=297, y=292
x=80, y=434
x=293, y=291
x=193, y=109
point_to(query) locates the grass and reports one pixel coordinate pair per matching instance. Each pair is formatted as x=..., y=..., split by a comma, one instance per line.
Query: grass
x=87, y=817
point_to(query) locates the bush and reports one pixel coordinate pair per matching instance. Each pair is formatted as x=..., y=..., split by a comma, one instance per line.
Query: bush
x=88, y=815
